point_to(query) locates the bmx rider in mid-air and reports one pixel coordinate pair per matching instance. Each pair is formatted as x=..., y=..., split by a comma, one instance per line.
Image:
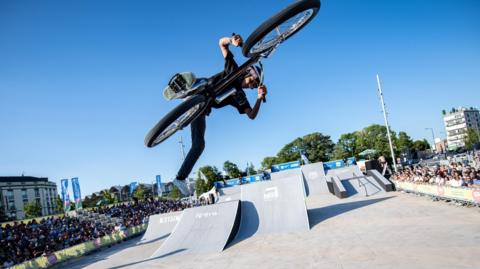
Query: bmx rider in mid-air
x=238, y=100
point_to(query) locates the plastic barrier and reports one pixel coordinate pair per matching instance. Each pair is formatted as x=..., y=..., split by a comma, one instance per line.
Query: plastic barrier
x=333, y=164
x=471, y=195
x=237, y=181
x=80, y=249
x=285, y=166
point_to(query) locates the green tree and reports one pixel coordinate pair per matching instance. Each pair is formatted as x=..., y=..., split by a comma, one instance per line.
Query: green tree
x=109, y=197
x=404, y=142
x=345, y=147
x=58, y=204
x=268, y=162
x=175, y=193
x=32, y=210
x=472, y=138
x=231, y=169
x=318, y=147
x=374, y=137
x=139, y=192
x=200, y=186
x=212, y=174
x=250, y=170
x=420, y=145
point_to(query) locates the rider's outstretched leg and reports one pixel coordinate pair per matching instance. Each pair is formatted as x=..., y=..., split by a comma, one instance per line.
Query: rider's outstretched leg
x=198, y=127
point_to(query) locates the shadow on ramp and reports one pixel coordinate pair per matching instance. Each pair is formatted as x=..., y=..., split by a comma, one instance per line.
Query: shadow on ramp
x=249, y=223
x=349, y=188
x=317, y=215
x=152, y=241
x=151, y=259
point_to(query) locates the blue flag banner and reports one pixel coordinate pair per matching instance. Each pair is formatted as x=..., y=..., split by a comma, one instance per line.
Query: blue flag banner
x=77, y=196
x=133, y=186
x=159, y=185
x=65, y=195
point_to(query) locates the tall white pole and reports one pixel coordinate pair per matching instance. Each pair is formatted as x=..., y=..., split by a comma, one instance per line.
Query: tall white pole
x=386, y=123
x=182, y=146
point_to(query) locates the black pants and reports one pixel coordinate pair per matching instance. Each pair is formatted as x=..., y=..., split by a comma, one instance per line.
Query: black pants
x=198, y=144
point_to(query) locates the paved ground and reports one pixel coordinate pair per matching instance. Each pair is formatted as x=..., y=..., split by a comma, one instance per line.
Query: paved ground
x=393, y=230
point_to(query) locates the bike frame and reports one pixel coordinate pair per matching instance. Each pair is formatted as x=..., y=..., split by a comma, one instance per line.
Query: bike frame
x=220, y=88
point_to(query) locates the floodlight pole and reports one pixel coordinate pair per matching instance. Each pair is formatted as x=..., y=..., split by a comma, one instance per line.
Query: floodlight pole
x=386, y=123
x=182, y=146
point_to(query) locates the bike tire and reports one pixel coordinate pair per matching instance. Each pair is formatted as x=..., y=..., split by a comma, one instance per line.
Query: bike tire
x=153, y=138
x=265, y=28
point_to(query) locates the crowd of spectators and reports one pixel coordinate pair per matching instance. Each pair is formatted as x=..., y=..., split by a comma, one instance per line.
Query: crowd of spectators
x=134, y=214
x=22, y=241
x=454, y=172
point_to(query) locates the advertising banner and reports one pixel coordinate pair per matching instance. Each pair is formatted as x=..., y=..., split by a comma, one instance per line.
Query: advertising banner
x=159, y=185
x=232, y=182
x=464, y=194
x=285, y=166
x=219, y=184
x=77, y=196
x=251, y=179
x=333, y=164
x=351, y=161
x=65, y=195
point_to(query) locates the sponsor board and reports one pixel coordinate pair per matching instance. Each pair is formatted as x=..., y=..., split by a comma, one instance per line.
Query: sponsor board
x=464, y=194
x=238, y=181
x=285, y=166
x=333, y=164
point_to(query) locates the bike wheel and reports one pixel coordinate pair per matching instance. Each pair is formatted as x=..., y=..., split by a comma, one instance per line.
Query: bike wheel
x=179, y=117
x=280, y=27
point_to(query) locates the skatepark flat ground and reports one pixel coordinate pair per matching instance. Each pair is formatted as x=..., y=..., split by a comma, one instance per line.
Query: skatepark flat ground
x=392, y=230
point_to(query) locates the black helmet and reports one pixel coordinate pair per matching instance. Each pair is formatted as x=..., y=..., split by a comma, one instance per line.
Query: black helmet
x=255, y=71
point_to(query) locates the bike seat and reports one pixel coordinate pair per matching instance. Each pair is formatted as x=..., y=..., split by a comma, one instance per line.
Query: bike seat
x=198, y=84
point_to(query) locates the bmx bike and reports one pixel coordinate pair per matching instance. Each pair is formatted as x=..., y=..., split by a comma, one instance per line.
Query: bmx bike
x=260, y=44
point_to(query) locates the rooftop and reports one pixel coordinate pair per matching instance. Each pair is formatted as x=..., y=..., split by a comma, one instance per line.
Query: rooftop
x=454, y=110
x=23, y=179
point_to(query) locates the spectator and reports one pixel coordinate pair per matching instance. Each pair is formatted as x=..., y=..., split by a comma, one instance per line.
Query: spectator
x=457, y=173
x=24, y=241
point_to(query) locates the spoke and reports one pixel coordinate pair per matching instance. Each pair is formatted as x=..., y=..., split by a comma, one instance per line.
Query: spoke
x=278, y=31
x=282, y=31
x=177, y=124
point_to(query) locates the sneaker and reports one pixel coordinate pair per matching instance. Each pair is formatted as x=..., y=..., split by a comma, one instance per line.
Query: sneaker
x=182, y=186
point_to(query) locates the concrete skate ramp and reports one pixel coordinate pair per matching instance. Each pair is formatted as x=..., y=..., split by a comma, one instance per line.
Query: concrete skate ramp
x=286, y=173
x=204, y=229
x=355, y=183
x=381, y=180
x=362, y=186
x=229, y=194
x=273, y=206
x=160, y=226
x=314, y=179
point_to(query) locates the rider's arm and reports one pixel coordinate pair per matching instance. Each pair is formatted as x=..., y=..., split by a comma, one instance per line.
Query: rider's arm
x=252, y=112
x=236, y=40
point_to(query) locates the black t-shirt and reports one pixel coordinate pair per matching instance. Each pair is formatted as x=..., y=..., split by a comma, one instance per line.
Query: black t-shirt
x=239, y=99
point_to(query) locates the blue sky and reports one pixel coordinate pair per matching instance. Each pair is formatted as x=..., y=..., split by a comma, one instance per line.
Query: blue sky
x=81, y=81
